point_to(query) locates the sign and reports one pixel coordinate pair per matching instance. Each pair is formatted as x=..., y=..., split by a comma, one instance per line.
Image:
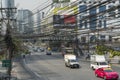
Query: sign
x=6, y=63
x=64, y=21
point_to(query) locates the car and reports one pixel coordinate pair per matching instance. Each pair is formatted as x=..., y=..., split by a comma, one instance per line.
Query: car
x=106, y=74
x=48, y=53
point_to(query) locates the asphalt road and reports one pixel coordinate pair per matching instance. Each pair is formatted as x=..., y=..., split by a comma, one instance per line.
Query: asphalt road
x=52, y=67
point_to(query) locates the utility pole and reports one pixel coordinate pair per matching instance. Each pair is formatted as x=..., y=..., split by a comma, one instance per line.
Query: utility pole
x=9, y=41
x=88, y=43
x=8, y=36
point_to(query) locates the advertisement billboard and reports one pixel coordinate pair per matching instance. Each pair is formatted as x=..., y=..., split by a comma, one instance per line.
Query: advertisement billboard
x=64, y=21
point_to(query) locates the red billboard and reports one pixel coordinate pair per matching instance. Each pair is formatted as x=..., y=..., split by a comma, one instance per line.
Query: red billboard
x=64, y=21
x=69, y=19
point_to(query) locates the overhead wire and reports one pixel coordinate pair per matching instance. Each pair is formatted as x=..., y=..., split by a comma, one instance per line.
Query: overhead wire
x=76, y=8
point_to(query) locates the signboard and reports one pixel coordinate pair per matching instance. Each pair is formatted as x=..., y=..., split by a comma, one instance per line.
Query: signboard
x=64, y=21
x=6, y=63
x=69, y=19
x=67, y=10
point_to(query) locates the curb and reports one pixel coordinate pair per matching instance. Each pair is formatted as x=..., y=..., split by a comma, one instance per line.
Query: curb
x=36, y=76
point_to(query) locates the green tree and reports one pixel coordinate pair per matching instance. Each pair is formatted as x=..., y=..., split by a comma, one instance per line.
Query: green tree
x=18, y=47
x=114, y=53
x=101, y=49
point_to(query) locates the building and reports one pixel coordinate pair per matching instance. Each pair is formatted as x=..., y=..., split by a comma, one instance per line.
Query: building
x=25, y=21
x=9, y=11
x=88, y=18
x=38, y=22
x=9, y=3
x=92, y=19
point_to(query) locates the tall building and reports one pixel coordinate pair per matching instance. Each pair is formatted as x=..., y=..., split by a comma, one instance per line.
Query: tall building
x=10, y=12
x=38, y=21
x=9, y=3
x=25, y=21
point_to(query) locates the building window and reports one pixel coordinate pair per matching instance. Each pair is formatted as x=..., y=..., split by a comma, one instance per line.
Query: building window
x=110, y=38
x=111, y=13
x=81, y=24
x=85, y=23
x=82, y=8
x=93, y=17
x=102, y=22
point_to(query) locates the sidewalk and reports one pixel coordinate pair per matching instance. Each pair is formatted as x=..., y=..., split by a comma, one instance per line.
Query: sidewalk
x=19, y=71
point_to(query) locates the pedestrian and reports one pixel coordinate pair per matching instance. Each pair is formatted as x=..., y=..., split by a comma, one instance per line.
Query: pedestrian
x=88, y=56
x=24, y=56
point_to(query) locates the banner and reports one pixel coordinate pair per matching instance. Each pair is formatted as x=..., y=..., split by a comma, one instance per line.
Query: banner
x=69, y=19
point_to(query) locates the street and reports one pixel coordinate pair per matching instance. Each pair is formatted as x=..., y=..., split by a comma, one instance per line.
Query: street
x=52, y=67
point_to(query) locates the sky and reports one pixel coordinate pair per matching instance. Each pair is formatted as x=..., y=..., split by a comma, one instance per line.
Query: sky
x=30, y=4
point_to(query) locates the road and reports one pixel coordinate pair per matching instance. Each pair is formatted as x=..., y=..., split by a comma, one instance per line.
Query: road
x=52, y=67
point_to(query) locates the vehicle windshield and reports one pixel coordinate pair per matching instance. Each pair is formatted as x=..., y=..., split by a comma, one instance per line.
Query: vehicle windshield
x=108, y=70
x=72, y=60
x=103, y=63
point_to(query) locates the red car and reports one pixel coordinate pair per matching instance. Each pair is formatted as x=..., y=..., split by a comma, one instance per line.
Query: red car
x=106, y=74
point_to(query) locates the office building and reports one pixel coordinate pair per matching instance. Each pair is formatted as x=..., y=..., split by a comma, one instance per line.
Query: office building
x=25, y=21
x=38, y=22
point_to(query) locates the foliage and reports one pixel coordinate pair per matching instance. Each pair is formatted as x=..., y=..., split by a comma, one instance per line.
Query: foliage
x=101, y=49
x=19, y=47
x=114, y=53
x=2, y=54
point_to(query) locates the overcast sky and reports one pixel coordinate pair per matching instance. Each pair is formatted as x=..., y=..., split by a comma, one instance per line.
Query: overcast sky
x=30, y=4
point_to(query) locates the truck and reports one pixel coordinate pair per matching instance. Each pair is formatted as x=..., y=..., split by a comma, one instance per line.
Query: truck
x=71, y=61
x=98, y=61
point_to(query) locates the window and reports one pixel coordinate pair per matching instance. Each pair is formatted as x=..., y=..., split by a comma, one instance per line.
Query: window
x=108, y=70
x=112, y=12
x=103, y=63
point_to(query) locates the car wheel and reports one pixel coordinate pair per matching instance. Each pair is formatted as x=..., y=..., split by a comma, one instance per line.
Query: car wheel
x=93, y=68
x=71, y=67
x=96, y=75
x=66, y=65
x=105, y=78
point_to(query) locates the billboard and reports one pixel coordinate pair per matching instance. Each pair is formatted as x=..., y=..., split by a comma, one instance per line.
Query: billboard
x=64, y=21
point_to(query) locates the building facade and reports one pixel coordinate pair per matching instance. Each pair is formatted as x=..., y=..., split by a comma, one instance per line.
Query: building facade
x=25, y=21
x=38, y=22
x=9, y=3
x=91, y=17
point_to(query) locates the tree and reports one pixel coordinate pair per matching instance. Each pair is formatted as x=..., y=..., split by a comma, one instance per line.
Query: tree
x=101, y=49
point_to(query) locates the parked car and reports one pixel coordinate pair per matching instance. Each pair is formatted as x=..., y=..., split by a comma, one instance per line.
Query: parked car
x=48, y=51
x=106, y=73
x=42, y=49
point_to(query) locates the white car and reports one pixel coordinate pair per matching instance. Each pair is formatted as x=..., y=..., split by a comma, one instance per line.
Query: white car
x=96, y=65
